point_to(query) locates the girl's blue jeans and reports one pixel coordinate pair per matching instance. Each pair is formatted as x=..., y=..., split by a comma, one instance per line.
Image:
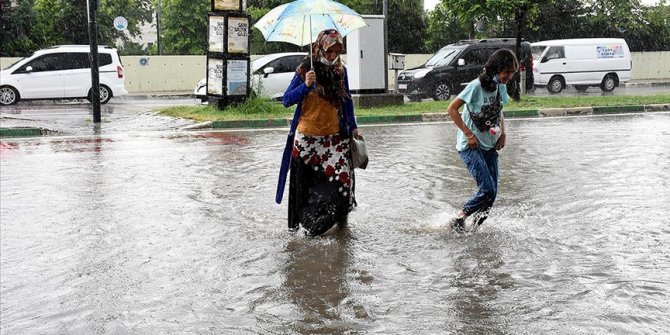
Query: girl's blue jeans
x=483, y=166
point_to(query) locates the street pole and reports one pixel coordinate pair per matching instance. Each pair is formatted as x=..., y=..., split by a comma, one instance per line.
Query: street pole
x=158, y=27
x=92, y=6
x=386, y=46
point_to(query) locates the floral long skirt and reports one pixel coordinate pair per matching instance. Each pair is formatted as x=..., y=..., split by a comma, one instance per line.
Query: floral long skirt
x=321, y=189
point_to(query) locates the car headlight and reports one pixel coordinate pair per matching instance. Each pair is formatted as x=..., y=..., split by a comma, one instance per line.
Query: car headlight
x=421, y=73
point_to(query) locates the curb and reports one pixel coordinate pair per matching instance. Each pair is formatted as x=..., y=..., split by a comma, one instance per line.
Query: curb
x=21, y=132
x=152, y=95
x=441, y=117
x=646, y=84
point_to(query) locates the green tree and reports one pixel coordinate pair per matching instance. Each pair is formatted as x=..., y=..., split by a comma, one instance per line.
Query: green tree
x=184, y=26
x=444, y=27
x=36, y=24
x=653, y=34
x=16, y=25
x=406, y=24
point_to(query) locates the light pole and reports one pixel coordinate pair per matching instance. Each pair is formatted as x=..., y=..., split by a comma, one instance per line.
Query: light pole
x=158, y=27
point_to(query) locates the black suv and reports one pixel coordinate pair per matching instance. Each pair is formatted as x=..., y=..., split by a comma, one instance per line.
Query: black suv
x=449, y=70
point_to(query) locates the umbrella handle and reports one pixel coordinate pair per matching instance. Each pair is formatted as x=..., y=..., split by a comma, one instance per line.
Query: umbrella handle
x=311, y=47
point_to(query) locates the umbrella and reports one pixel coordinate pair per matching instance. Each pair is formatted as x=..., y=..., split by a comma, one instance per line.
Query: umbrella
x=299, y=22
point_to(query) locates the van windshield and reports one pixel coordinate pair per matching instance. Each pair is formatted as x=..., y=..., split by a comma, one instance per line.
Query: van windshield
x=10, y=65
x=443, y=57
x=537, y=50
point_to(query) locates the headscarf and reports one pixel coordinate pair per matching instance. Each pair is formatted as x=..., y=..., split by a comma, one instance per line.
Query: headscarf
x=324, y=41
x=329, y=78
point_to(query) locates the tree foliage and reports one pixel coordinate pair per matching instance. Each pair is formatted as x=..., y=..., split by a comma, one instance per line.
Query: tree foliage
x=644, y=28
x=36, y=24
x=184, y=26
x=28, y=25
x=406, y=23
x=16, y=27
x=444, y=27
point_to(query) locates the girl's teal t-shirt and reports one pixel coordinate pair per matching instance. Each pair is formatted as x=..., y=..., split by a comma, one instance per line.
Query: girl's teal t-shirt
x=475, y=96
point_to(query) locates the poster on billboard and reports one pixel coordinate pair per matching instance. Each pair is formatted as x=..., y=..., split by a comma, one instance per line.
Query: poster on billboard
x=227, y=4
x=216, y=31
x=236, y=72
x=214, y=76
x=238, y=35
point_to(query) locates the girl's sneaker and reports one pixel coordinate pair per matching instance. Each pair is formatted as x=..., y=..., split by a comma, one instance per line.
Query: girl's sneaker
x=457, y=225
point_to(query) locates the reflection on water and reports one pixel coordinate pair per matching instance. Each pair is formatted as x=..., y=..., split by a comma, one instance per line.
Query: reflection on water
x=145, y=233
x=315, y=280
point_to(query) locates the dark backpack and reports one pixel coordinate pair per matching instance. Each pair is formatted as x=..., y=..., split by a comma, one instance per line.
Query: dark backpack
x=489, y=116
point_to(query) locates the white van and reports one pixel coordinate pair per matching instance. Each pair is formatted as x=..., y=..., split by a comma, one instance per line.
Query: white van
x=581, y=62
x=62, y=72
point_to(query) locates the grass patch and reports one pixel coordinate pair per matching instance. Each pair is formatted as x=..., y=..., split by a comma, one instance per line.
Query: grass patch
x=261, y=108
x=253, y=108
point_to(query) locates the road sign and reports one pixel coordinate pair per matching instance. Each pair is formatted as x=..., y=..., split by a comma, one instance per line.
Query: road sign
x=120, y=23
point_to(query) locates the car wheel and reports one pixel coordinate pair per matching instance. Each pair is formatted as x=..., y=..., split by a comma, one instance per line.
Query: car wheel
x=105, y=95
x=441, y=92
x=8, y=96
x=555, y=85
x=581, y=88
x=608, y=84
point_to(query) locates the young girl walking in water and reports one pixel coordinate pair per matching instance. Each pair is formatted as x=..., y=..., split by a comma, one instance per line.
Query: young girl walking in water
x=481, y=133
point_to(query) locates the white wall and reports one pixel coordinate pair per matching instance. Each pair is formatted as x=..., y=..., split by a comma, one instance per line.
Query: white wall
x=181, y=73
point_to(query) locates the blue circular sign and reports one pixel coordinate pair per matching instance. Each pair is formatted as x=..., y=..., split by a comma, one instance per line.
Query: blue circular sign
x=120, y=23
x=144, y=61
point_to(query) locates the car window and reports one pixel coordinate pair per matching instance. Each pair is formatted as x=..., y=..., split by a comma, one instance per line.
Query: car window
x=443, y=57
x=555, y=52
x=10, y=65
x=50, y=62
x=474, y=57
x=282, y=65
x=80, y=60
x=295, y=61
x=537, y=50
x=104, y=59
x=76, y=60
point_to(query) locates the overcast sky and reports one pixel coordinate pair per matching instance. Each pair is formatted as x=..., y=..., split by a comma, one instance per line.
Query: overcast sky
x=429, y=4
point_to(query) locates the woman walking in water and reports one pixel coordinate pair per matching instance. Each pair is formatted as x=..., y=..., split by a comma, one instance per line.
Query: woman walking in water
x=321, y=187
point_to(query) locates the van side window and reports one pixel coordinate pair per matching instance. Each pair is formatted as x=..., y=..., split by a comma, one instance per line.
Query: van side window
x=104, y=59
x=474, y=57
x=80, y=60
x=77, y=60
x=555, y=52
x=50, y=62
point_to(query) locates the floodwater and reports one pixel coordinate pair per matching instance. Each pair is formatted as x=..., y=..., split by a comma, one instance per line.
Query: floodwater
x=177, y=233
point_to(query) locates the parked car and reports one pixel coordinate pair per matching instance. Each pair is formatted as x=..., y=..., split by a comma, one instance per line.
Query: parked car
x=270, y=75
x=582, y=62
x=62, y=72
x=449, y=70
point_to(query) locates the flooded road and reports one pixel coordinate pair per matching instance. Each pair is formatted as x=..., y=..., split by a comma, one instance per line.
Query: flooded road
x=75, y=117
x=177, y=232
